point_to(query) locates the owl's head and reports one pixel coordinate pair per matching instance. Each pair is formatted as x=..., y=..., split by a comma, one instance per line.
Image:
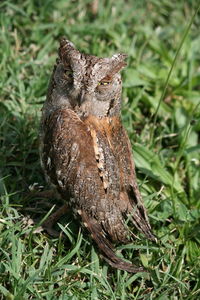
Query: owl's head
x=87, y=84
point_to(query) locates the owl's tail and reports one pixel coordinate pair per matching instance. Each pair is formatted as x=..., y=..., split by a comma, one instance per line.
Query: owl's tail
x=106, y=247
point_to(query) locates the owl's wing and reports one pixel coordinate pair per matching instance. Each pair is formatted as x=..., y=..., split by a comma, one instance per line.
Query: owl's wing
x=69, y=160
x=130, y=188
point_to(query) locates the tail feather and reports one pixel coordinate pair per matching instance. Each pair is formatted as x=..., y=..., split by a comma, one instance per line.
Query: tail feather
x=106, y=247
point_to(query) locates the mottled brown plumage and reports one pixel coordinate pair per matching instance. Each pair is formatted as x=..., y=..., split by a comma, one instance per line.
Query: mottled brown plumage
x=86, y=152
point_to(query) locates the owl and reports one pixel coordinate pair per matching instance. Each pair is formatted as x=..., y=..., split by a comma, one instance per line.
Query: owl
x=86, y=152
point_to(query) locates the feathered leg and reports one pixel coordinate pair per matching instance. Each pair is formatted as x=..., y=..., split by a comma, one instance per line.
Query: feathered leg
x=53, y=218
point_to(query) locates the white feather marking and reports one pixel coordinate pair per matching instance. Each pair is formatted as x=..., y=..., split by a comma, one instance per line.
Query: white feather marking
x=49, y=162
x=60, y=183
x=58, y=173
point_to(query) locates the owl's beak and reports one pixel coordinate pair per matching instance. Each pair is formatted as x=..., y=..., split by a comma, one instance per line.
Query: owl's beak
x=81, y=97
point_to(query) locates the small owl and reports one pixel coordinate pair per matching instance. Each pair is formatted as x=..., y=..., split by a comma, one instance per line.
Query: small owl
x=86, y=152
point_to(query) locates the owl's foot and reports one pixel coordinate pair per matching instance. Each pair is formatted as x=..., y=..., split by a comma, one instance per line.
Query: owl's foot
x=52, y=219
x=46, y=194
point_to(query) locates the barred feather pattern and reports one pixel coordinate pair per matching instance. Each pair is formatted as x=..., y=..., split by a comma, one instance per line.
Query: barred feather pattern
x=86, y=152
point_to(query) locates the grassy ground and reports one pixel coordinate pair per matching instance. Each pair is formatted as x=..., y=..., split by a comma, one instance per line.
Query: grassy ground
x=166, y=149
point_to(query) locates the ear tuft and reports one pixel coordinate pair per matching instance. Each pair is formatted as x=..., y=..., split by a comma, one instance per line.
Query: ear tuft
x=66, y=47
x=119, y=56
x=65, y=42
x=118, y=63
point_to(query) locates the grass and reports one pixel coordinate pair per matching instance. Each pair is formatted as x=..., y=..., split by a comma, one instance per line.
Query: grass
x=35, y=266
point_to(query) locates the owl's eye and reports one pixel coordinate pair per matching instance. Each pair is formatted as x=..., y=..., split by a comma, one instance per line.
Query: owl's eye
x=68, y=73
x=103, y=83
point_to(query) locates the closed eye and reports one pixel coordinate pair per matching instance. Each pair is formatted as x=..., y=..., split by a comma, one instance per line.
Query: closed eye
x=68, y=73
